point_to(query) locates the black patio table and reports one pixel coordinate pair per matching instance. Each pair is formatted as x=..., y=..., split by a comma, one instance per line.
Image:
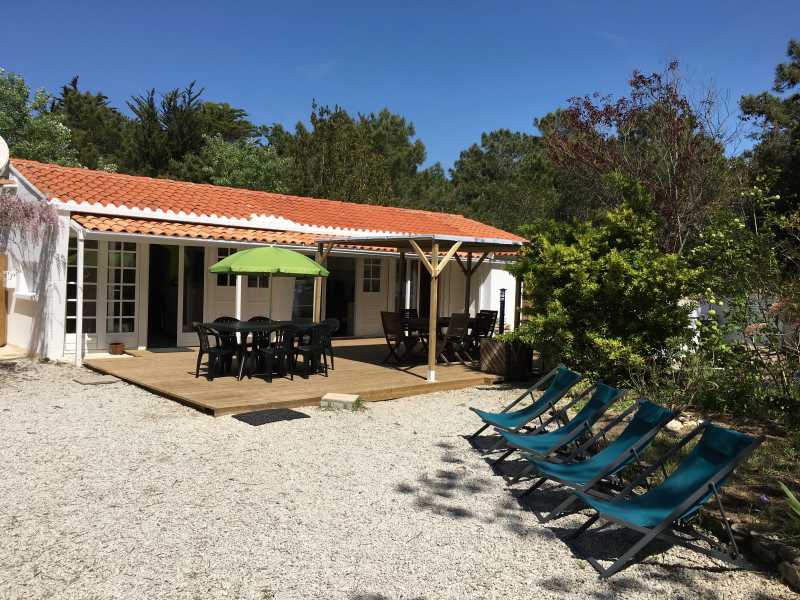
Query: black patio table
x=245, y=328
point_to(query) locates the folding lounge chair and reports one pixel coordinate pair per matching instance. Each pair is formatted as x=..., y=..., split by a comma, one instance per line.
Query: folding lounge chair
x=626, y=449
x=560, y=381
x=545, y=444
x=673, y=503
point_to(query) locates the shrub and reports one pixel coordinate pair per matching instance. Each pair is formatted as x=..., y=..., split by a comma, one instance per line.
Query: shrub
x=601, y=295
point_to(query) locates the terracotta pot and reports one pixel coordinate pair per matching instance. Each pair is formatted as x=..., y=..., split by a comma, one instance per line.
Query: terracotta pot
x=116, y=348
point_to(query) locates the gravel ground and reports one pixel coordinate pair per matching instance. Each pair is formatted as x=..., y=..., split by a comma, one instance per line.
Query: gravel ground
x=112, y=492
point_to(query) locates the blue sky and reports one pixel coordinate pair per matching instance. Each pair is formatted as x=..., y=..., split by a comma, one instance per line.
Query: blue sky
x=454, y=69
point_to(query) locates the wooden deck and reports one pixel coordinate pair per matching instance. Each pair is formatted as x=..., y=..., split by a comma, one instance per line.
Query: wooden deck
x=358, y=371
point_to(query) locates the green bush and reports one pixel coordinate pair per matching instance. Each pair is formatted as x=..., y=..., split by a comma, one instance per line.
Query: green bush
x=601, y=296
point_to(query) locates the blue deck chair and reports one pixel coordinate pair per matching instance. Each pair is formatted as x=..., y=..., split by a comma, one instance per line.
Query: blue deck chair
x=674, y=502
x=580, y=426
x=560, y=381
x=625, y=450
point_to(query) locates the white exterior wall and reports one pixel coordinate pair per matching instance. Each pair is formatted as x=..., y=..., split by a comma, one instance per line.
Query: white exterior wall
x=370, y=304
x=37, y=303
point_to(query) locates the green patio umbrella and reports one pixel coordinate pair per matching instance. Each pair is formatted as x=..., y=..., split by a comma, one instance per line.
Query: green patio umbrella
x=271, y=261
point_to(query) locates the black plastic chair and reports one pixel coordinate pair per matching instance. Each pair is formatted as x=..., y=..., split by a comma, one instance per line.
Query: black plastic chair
x=278, y=352
x=229, y=340
x=327, y=336
x=218, y=353
x=312, y=349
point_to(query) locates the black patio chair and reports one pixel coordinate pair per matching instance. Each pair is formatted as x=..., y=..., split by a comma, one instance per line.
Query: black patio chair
x=250, y=350
x=218, y=353
x=278, y=354
x=327, y=337
x=456, y=341
x=229, y=340
x=397, y=336
x=313, y=351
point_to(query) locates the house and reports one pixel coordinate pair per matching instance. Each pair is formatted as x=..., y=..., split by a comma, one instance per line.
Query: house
x=146, y=246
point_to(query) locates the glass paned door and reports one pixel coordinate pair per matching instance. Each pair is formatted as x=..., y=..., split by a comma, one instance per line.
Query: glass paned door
x=193, y=286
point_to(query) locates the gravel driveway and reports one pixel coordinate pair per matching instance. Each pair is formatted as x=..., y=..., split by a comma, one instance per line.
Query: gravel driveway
x=112, y=492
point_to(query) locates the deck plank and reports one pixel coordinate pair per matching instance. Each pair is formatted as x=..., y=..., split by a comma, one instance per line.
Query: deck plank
x=358, y=371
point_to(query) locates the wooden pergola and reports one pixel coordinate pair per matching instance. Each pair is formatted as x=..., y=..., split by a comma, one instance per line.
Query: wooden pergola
x=435, y=252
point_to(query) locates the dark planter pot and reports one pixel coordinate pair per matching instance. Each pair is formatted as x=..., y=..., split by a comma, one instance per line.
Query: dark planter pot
x=116, y=348
x=510, y=360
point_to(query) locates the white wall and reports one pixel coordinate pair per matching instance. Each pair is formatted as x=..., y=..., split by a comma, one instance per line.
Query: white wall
x=37, y=306
x=370, y=304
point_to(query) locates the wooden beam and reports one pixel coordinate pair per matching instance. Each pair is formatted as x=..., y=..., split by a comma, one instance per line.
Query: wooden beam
x=401, y=265
x=422, y=257
x=434, y=308
x=320, y=257
x=468, y=284
x=517, y=302
x=480, y=260
x=446, y=259
x=464, y=269
x=328, y=247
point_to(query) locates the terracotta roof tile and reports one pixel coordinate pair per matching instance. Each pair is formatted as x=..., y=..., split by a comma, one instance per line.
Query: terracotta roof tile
x=112, y=189
x=105, y=224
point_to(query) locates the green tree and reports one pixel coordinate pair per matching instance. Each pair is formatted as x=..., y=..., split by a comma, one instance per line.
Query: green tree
x=229, y=122
x=506, y=180
x=368, y=158
x=602, y=295
x=777, y=121
x=97, y=128
x=657, y=136
x=30, y=129
x=245, y=164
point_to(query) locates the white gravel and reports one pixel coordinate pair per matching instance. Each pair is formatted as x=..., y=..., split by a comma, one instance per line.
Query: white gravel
x=112, y=492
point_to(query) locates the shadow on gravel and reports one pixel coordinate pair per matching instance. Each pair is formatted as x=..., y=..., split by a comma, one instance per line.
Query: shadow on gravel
x=449, y=492
x=275, y=415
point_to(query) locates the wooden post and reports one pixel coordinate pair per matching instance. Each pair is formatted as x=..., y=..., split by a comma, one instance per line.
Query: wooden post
x=468, y=275
x=317, y=310
x=432, y=328
x=79, y=301
x=402, y=266
x=322, y=258
x=517, y=302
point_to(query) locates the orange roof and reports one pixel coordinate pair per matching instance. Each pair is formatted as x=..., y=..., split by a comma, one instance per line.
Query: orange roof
x=104, y=224
x=192, y=230
x=98, y=188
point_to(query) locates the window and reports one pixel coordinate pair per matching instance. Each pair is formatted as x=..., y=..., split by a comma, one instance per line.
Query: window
x=257, y=281
x=303, y=304
x=121, y=294
x=90, y=253
x=224, y=279
x=372, y=274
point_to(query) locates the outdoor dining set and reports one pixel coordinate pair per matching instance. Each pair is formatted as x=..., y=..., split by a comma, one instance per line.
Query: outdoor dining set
x=458, y=336
x=261, y=345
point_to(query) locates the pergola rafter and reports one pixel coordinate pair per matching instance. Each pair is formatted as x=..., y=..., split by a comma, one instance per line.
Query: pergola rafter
x=428, y=249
